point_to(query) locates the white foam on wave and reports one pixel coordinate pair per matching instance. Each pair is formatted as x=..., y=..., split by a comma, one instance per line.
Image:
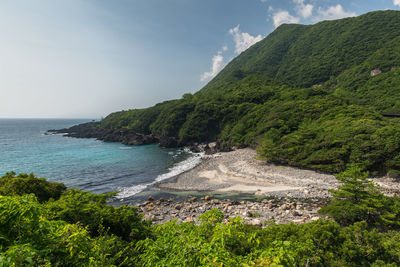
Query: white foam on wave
x=130, y=191
x=51, y=133
x=175, y=170
x=182, y=167
x=124, y=147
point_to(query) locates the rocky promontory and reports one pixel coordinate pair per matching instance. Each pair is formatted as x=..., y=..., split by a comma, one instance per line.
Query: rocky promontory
x=124, y=136
x=130, y=137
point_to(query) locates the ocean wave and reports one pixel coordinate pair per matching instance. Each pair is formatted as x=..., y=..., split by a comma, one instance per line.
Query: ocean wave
x=124, y=147
x=182, y=167
x=131, y=191
x=175, y=170
x=51, y=133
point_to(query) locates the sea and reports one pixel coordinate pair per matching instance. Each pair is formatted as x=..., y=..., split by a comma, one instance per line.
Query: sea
x=87, y=164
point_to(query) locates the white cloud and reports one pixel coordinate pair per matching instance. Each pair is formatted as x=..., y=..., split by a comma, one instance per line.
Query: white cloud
x=217, y=65
x=304, y=10
x=264, y=1
x=334, y=12
x=396, y=2
x=243, y=40
x=282, y=17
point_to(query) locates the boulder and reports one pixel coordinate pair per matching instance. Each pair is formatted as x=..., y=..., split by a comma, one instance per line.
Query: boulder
x=297, y=213
x=298, y=221
x=256, y=222
x=192, y=199
x=208, y=197
x=375, y=72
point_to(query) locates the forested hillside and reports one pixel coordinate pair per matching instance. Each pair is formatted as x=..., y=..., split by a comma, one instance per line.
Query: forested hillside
x=309, y=96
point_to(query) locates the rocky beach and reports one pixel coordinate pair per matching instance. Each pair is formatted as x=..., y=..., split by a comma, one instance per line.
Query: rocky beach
x=279, y=210
x=281, y=193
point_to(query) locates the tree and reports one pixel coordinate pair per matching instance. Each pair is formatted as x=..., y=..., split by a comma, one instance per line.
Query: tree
x=358, y=199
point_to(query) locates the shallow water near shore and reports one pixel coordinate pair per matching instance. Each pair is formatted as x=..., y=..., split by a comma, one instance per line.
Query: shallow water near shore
x=181, y=195
x=86, y=164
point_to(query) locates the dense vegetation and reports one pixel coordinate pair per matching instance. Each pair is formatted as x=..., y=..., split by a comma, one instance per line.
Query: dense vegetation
x=303, y=96
x=67, y=228
x=78, y=228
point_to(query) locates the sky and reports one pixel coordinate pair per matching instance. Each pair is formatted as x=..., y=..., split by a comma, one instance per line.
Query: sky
x=87, y=58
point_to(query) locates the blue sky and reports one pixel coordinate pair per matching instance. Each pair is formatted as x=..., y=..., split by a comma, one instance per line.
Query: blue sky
x=87, y=58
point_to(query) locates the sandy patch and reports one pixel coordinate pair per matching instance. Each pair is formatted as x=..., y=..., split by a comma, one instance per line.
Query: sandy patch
x=239, y=171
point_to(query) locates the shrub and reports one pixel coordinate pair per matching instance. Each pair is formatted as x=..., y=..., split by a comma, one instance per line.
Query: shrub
x=92, y=211
x=21, y=184
x=358, y=199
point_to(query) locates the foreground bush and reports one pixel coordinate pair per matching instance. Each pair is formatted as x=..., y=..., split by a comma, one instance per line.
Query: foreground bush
x=92, y=211
x=80, y=229
x=27, y=238
x=319, y=243
x=21, y=184
x=66, y=227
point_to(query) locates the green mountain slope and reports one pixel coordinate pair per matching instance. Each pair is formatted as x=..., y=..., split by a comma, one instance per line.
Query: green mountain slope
x=303, y=96
x=306, y=55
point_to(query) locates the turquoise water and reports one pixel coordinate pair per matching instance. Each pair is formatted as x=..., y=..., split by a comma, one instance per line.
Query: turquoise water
x=86, y=164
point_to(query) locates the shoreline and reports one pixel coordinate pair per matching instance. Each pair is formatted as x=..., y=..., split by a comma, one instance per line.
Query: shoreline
x=239, y=171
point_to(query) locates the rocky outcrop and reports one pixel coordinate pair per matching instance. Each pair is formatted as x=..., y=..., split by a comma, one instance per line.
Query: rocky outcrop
x=129, y=137
x=167, y=141
x=93, y=130
x=207, y=148
x=84, y=130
